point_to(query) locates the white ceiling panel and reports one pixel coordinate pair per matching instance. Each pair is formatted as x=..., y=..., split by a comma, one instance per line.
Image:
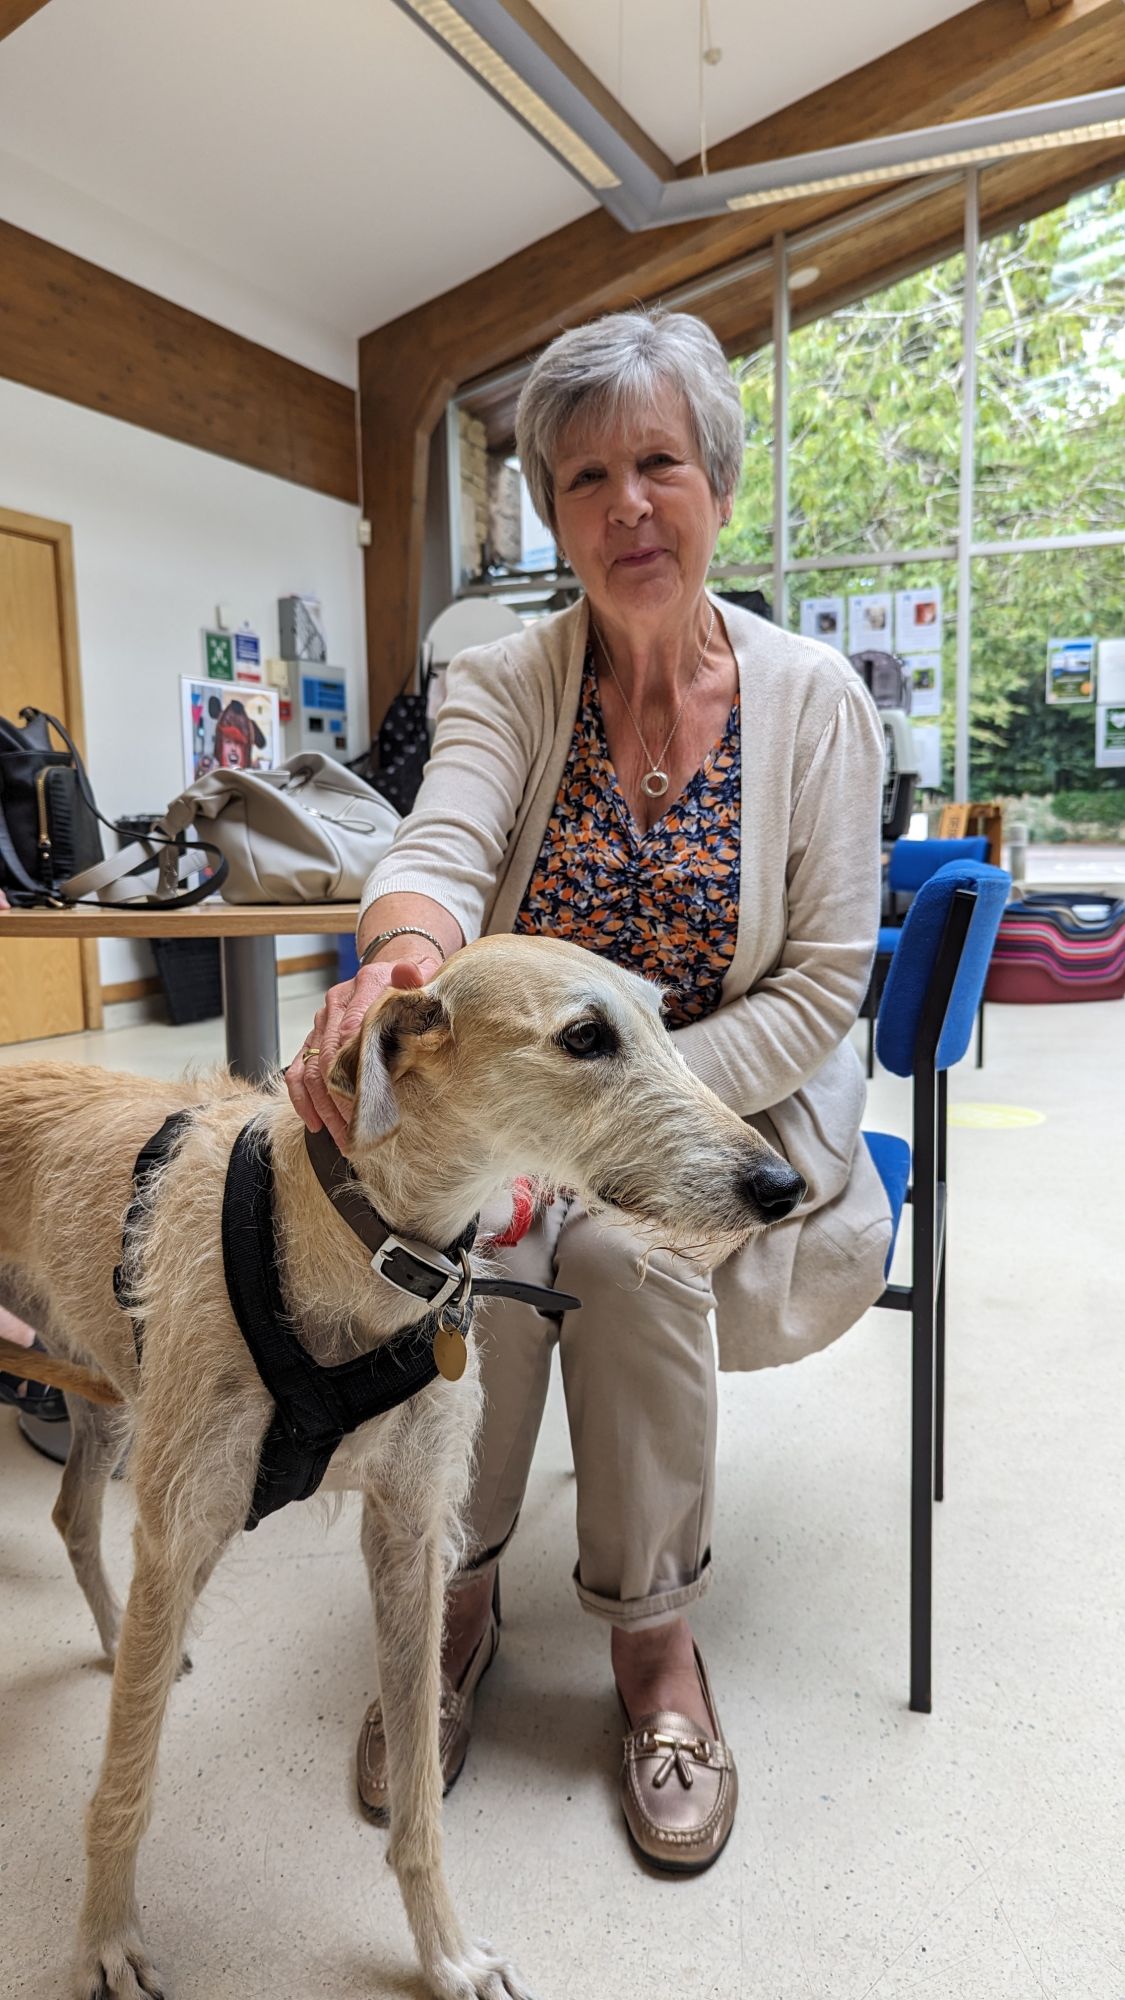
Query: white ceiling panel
x=328, y=155
x=647, y=53
x=329, y=165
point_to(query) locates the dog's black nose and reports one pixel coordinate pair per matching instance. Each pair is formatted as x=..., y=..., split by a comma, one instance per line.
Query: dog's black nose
x=774, y=1188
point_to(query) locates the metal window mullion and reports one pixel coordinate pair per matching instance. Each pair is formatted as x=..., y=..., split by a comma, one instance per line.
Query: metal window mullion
x=453, y=492
x=780, y=430
x=1026, y=545
x=870, y=559
x=965, y=517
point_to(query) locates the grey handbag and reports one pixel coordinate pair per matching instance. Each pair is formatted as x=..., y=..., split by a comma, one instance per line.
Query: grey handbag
x=308, y=831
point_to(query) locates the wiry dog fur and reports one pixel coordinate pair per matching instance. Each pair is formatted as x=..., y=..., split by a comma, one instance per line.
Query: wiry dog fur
x=455, y=1088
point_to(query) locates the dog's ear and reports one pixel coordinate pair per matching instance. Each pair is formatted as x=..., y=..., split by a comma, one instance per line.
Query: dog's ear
x=403, y=1031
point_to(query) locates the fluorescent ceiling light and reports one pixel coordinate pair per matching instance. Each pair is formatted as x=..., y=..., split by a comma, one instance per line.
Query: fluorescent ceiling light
x=509, y=48
x=478, y=55
x=1003, y=145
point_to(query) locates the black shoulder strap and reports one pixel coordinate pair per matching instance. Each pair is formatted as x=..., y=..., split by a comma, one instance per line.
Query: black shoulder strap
x=314, y=1407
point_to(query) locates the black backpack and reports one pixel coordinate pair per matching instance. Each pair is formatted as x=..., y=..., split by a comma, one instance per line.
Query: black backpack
x=48, y=819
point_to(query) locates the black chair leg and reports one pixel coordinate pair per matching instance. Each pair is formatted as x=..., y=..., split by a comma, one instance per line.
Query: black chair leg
x=921, y=1503
x=939, y=1388
x=980, y=1036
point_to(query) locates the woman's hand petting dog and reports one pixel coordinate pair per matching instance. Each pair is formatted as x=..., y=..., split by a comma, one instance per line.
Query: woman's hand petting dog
x=335, y=1023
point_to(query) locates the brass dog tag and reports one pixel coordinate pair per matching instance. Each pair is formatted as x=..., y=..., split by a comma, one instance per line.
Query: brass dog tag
x=450, y=1351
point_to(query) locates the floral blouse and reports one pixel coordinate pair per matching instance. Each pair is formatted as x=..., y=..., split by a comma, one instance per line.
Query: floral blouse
x=663, y=903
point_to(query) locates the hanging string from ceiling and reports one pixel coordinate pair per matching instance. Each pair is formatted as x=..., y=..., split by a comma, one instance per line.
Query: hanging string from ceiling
x=709, y=55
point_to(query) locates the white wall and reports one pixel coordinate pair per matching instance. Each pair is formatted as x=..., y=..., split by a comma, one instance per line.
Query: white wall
x=162, y=534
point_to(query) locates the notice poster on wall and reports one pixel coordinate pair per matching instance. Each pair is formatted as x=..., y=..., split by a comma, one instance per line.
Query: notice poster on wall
x=925, y=682
x=1109, y=751
x=918, y=622
x=247, y=656
x=1111, y=671
x=927, y=742
x=823, y=618
x=228, y=727
x=1070, y=672
x=869, y=623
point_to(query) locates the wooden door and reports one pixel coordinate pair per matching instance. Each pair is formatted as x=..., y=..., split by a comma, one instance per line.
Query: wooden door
x=48, y=988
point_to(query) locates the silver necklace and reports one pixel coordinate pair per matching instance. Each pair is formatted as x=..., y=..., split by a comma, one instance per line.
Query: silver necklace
x=654, y=784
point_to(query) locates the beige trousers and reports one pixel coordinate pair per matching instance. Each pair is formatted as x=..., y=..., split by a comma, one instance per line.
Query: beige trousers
x=638, y=1370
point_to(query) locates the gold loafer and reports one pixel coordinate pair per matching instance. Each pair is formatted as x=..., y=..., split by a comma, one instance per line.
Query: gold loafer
x=679, y=1787
x=455, y=1725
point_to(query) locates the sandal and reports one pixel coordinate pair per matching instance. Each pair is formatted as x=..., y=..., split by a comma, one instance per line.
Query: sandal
x=33, y=1399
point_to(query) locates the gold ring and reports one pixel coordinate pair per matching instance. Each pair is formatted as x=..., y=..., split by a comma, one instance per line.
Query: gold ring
x=306, y=1052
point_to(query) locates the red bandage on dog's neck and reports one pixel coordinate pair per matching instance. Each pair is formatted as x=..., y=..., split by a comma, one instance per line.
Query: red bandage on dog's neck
x=523, y=1215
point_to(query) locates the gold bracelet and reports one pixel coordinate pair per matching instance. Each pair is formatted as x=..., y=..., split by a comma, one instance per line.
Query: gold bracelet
x=402, y=930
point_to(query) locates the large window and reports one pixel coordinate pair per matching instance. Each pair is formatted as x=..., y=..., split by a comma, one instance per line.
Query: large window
x=1019, y=681
x=874, y=420
x=1038, y=622
x=749, y=538
x=1050, y=426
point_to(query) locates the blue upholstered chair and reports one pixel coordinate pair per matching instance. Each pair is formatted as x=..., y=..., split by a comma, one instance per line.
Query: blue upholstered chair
x=911, y=863
x=932, y=993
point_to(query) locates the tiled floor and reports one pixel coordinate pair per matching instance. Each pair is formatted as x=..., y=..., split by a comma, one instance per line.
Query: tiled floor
x=975, y=1854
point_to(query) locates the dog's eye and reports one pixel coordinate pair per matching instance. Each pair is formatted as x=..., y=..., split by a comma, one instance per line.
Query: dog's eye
x=588, y=1038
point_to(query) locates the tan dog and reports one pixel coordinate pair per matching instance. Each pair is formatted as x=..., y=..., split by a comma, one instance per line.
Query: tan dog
x=519, y=1056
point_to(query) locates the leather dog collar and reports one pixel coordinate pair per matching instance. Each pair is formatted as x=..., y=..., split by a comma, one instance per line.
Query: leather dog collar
x=418, y=1269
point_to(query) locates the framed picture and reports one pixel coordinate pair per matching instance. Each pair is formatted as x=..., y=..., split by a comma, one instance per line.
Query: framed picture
x=227, y=726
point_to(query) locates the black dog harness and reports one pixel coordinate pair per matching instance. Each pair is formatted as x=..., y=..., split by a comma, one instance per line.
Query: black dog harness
x=315, y=1407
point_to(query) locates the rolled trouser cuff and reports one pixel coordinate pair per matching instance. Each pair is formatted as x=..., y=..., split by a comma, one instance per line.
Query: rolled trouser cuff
x=635, y=1613
x=477, y=1560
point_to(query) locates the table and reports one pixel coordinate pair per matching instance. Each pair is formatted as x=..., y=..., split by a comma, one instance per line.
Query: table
x=246, y=932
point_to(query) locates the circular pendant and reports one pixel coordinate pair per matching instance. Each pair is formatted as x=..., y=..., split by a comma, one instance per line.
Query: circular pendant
x=450, y=1352
x=654, y=784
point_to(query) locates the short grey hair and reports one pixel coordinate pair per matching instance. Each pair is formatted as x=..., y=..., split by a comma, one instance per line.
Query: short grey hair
x=618, y=363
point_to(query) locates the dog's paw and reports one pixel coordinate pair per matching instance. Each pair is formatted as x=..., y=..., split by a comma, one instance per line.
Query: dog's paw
x=481, y=1974
x=121, y=1970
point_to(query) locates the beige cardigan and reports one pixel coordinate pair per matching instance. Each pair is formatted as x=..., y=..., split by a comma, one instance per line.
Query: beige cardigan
x=775, y=1050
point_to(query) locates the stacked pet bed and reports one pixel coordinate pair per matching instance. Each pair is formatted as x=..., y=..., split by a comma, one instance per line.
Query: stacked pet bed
x=1053, y=947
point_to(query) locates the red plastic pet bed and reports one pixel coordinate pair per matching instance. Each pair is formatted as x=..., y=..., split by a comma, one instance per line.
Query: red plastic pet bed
x=1059, y=947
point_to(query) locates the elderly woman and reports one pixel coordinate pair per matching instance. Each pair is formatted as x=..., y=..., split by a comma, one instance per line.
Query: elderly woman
x=695, y=794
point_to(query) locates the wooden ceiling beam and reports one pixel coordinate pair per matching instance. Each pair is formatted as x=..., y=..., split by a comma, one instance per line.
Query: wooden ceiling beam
x=13, y=14
x=71, y=329
x=990, y=57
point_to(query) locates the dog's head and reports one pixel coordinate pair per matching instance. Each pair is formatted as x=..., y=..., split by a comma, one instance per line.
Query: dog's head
x=528, y=1055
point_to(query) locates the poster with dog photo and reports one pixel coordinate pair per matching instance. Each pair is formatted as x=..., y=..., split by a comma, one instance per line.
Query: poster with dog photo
x=918, y=622
x=228, y=727
x=925, y=682
x=823, y=618
x=869, y=623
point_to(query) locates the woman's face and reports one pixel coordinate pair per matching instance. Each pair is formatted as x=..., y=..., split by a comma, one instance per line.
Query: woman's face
x=635, y=513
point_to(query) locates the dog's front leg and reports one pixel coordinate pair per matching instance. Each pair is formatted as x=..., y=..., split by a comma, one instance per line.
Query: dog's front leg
x=407, y=1582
